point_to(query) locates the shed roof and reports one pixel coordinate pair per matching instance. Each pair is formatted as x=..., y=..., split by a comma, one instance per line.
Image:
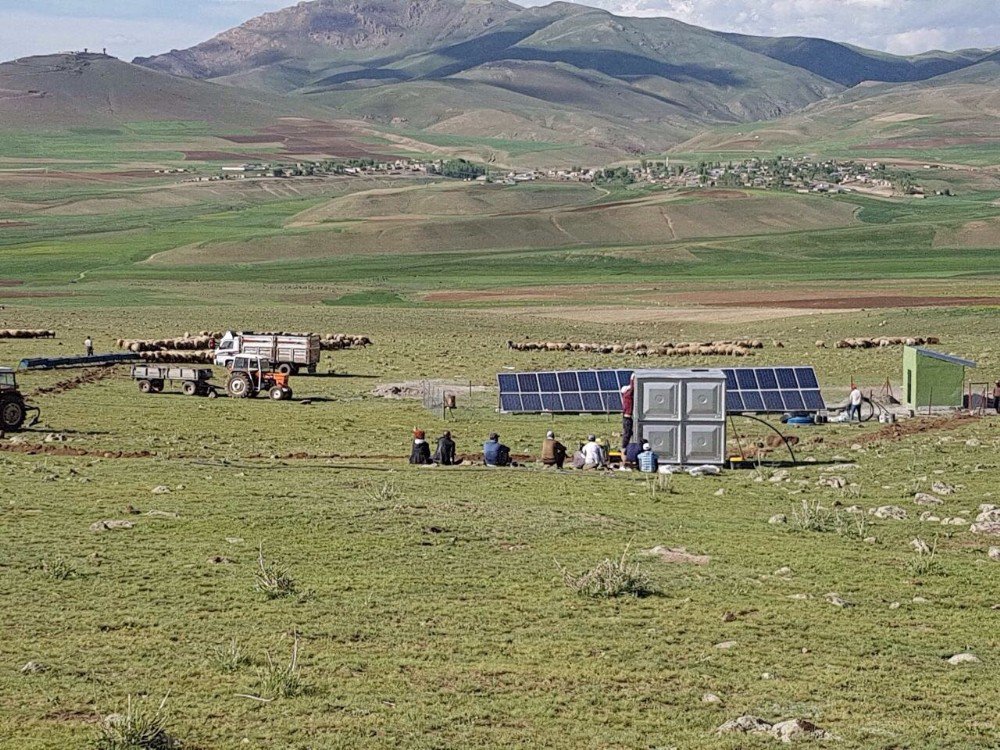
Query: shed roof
x=945, y=357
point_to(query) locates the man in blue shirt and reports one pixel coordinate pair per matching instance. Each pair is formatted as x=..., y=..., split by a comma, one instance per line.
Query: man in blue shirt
x=632, y=454
x=495, y=453
x=649, y=462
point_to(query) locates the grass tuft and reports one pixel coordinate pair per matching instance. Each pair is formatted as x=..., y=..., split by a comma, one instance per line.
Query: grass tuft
x=272, y=579
x=611, y=578
x=280, y=680
x=59, y=569
x=137, y=729
x=230, y=657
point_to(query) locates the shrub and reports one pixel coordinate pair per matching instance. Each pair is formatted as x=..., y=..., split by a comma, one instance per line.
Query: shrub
x=924, y=560
x=272, y=579
x=611, y=578
x=59, y=569
x=136, y=729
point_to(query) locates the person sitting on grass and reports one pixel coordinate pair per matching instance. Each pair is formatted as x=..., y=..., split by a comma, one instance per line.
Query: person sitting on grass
x=553, y=452
x=420, y=454
x=649, y=462
x=445, y=453
x=495, y=453
x=632, y=454
x=593, y=454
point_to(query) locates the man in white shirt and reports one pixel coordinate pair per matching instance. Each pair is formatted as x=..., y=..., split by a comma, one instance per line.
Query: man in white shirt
x=854, y=404
x=88, y=346
x=593, y=453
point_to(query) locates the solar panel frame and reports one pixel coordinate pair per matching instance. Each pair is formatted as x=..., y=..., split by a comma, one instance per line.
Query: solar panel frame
x=760, y=390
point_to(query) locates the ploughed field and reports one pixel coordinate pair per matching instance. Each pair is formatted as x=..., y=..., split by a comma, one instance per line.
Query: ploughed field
x=429, y=606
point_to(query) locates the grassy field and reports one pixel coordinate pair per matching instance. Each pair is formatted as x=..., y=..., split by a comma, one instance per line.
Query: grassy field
x=429, y=607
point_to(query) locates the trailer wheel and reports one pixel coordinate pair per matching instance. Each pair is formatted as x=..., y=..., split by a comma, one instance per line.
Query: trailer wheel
x=157, y=386
x=12, y=414
x=239, y=385
x=286, y=393
x=212, y=393
x=190, y=388
x=311, y=369
x=145, y=386
x=286, y=368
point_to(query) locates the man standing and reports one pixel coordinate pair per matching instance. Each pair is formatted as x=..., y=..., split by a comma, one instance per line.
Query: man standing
x=88, y=346
x=649, y=462
x=627, y=423
x=445, y=454
x=553, y=452
x=854, y=404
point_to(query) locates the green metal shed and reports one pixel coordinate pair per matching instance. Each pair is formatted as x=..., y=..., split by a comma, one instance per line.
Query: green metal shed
x=932, y=379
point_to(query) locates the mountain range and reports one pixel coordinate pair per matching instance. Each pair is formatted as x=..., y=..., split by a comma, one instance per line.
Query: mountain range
x=561, y=73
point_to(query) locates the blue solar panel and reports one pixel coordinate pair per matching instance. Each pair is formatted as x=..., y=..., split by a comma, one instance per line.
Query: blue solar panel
x=608, y=380
x=786, y=377
x=527, y=382
x=548, y=382
x=748, y=389
x=510, y=402
x=807, y=378
x=552, y=402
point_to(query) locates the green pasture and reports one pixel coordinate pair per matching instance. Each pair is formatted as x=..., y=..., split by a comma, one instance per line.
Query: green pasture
x=429, y=607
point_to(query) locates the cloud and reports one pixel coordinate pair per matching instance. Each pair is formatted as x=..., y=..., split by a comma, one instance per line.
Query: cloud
x=902, y=26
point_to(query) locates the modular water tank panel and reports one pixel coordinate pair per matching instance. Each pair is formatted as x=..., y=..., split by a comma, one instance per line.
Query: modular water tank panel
x=704, y=443
x=665, y=440
x=705, y=400
x=660, y=401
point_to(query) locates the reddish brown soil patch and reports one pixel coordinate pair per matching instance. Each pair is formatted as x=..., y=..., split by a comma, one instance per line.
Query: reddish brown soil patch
x=254, y=138
x=37, y=295
x=65, y=450
x=223, y=156
x=88, y=377
x=12, y=224
x=882, y=301
x=933, y=142
x=918, y=426
x=11, y=282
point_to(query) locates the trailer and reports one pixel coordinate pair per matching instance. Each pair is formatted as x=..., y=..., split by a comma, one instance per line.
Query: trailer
x=194, y=381
x=287, y=353
x=95, y=360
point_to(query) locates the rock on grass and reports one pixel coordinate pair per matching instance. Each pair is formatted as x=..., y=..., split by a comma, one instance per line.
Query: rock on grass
x=789, y=730
x=963, y=659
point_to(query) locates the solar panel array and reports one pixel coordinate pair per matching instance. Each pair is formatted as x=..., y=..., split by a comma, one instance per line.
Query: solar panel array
x=568, y=391
x=756, y=390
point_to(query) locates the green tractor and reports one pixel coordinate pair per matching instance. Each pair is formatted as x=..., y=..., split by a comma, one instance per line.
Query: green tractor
x=13, y=411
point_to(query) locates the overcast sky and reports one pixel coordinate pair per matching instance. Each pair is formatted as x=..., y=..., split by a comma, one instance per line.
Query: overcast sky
x=144, y=27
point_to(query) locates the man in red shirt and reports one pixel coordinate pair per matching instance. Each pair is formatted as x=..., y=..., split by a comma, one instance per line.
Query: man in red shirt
x=627, y=423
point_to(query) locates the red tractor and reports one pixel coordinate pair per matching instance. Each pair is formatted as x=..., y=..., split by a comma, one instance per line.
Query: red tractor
x=250, y=375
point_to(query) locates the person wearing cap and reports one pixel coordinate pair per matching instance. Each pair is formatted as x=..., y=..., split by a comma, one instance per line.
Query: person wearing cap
x=593, y=453
x=495, y=453
x=627, y=424
x=649, y=462
x=553, y=452
x=420, y=454
x=445, y=453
